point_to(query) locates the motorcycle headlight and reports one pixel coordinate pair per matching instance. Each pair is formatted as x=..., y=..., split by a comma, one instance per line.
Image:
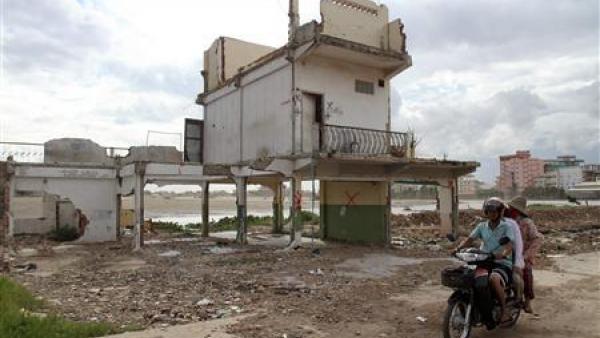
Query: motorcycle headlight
x=471, y=256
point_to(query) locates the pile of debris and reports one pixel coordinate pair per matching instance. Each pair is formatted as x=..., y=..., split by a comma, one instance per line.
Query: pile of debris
x=556, y=218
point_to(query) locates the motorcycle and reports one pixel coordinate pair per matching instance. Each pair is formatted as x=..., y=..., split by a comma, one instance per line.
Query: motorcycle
x=462, y=313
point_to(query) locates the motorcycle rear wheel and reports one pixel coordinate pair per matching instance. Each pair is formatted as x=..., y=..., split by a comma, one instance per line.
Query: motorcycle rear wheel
x=455, y=323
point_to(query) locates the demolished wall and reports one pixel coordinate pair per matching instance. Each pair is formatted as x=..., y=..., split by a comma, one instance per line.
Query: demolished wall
x=73, y=150
x=157, y=154
x=4, y=202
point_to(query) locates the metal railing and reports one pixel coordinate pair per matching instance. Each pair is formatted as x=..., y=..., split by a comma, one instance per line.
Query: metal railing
x=34, y=152
x=22, y=152
x=361, y=141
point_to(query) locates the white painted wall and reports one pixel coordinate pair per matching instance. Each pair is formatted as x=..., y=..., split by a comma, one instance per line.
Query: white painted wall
x=97, y=198
x=252, y=121
x=267, y=111
x=222, y=130
x=343, y=105
x=92, y=190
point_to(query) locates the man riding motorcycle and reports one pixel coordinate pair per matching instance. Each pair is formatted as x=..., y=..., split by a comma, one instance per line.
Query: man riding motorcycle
x=491, y=232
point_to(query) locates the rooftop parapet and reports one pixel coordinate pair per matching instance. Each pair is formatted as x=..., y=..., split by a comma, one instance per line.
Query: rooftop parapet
x=361, y=25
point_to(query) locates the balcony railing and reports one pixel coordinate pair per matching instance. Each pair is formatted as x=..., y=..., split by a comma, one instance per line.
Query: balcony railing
x=361, y=141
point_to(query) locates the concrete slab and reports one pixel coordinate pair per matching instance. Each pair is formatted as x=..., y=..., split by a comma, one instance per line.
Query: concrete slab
x=569, y=269
x=378, y=266
x=268, y=239
x=213, y=329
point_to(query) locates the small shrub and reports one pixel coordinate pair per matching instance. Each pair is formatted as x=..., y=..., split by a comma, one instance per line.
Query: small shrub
x=64, y=234
x=307, y=217
x=16, y=319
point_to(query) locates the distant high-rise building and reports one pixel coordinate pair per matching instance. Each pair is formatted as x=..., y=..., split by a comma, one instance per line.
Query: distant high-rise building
x=547, y=180
x=467, y=186
x=591, y=172
x=518, y=172
x=569, y=176
x=561, y=162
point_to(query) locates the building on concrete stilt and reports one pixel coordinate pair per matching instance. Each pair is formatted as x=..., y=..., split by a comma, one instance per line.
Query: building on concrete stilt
x=318, y=108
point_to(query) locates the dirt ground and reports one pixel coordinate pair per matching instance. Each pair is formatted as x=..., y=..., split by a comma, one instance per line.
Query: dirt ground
x=212, y=288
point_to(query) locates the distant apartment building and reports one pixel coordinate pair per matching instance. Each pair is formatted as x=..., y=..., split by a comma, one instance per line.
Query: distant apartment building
x=547, y=180
x=562, y=162
x=569, y=177
x=591, y=172
x=518, y=171
x=467, y=186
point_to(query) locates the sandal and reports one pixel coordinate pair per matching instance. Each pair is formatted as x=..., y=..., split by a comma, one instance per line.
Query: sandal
x=506, y=322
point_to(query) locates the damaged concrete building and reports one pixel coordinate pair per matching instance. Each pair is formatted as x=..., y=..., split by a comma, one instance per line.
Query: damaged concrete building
x=318, y=108
x=79, y=185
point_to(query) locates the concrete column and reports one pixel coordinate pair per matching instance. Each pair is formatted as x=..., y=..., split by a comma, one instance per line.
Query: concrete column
x=446, y=196
x=10, y=205
x=242, y=231
x=455, y=203
x=278, y=208
x=138, y=235
x=388, y=216
x=297, y=226
x=4, y=221
x=205, y=201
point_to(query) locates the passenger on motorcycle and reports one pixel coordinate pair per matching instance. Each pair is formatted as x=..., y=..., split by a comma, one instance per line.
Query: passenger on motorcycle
x=490, y=232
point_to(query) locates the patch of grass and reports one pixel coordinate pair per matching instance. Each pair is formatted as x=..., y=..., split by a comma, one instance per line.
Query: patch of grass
x=18, y=319
x=307, y=217
x=172, y=227
x=64, y=234
x=230, y=223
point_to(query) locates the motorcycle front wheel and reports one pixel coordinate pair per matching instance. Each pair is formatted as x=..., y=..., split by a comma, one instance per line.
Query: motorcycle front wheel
x=456, y=323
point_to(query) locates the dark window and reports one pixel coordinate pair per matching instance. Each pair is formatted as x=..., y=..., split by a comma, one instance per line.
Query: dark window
x=381, y=83
x=364, y=87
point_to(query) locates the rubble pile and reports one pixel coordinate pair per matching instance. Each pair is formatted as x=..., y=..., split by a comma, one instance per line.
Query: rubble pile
x=556, y=218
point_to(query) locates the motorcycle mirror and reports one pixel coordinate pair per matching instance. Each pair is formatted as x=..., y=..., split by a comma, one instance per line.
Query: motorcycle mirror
x=451, y=237
x=504, y=240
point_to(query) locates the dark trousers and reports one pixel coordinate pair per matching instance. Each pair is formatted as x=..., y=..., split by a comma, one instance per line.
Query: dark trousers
x=528, y=282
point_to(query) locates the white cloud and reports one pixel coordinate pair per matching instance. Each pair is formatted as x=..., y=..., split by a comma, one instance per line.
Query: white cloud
x=488, y=76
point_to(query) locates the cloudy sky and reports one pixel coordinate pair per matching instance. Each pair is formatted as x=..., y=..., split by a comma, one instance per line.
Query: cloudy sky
x=489, y=77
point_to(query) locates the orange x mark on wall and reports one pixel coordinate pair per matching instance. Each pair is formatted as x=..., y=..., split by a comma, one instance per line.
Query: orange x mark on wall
x=351, y=198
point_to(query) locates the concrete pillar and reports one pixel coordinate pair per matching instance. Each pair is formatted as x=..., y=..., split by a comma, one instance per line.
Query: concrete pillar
x=118, y=218
x=297, y=226
x=138, y=234
x=4, y=209
x=278, y=208
x=448, y=207
x=10, y=205
x=357, y=212
x=455, y=203
x=205, y=201
x=388, y=211
x=242, y=231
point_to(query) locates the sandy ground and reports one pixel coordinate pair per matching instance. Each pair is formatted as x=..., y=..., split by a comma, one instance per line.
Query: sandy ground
x=186, y=287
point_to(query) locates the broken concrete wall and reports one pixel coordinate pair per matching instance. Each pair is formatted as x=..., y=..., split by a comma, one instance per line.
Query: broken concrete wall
x=34, y=215
x=93, y=190
x=72, y=150
x=66, y=214
x=361, y=21
x=226, y=56
x=157, y=154
x=397, y=38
